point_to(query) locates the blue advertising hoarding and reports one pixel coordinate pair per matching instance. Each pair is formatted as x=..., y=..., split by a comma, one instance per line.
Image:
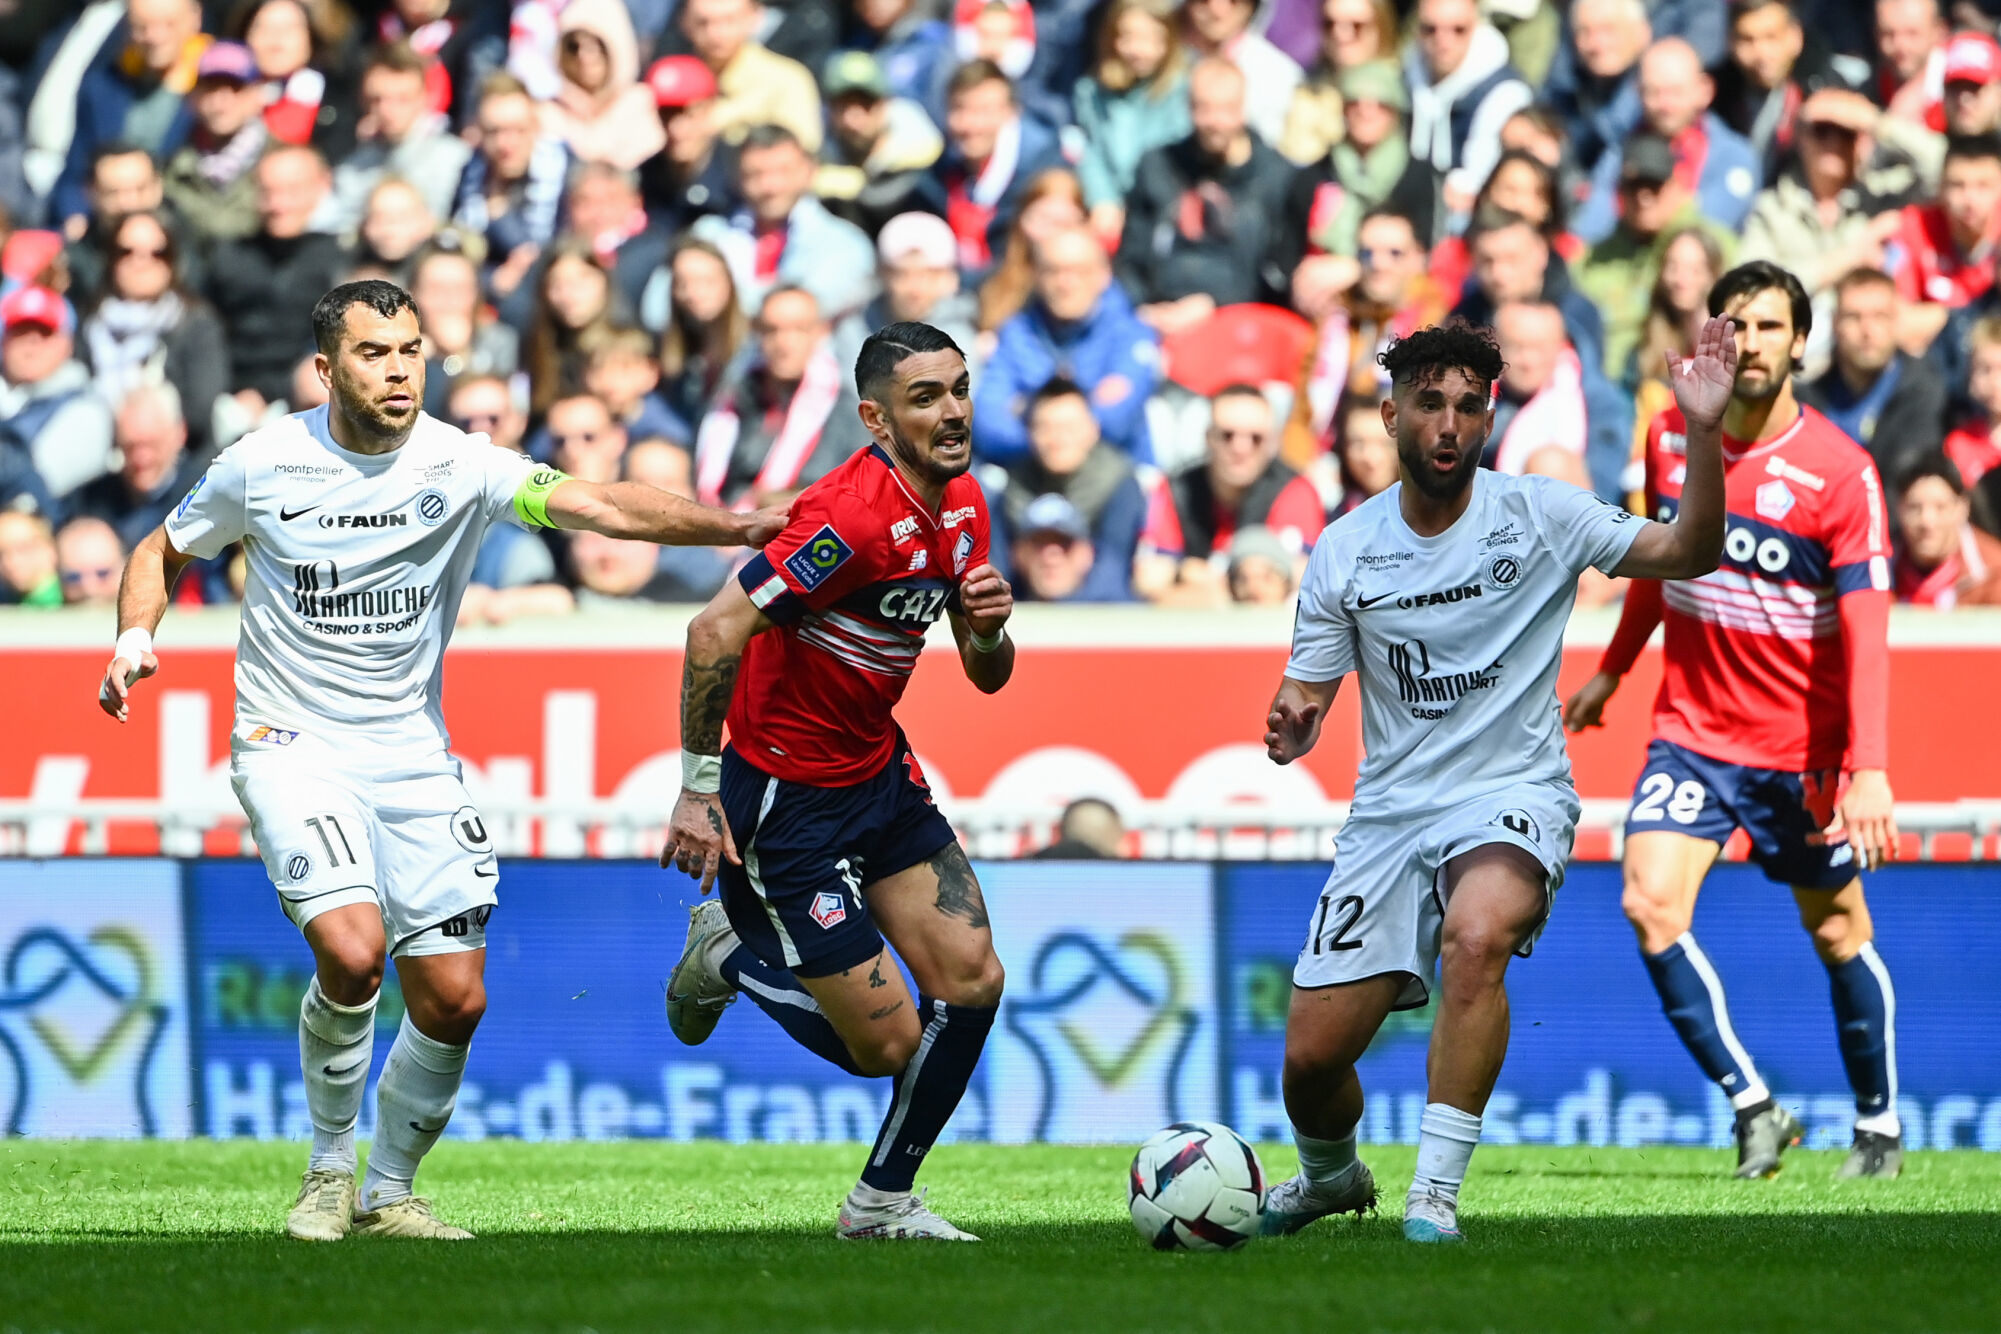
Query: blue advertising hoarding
x=158, y=997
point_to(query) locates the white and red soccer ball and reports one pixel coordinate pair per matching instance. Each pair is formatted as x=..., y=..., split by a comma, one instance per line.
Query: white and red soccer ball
x=1196, y=1186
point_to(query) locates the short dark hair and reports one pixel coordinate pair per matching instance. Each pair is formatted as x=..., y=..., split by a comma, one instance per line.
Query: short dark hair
x=1739, y=8
x=397, y=58
x=1973, y=146
x=1761, y=275
x=1493, y=218
x=892, y=345
x=1056, y=386
x=1855, y=278
x=1931, y=463
x=974, y=73
x=112, y=148
x=1427, y=353
x=1394, y=213
x=769, y=136
x=330, y=312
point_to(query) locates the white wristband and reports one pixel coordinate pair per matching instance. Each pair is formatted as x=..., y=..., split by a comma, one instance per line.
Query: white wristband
x=701, y=773
x=133, y=645
x=987, y=643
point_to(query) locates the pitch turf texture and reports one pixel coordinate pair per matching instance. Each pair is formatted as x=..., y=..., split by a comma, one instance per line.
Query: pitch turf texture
x=737, y=1239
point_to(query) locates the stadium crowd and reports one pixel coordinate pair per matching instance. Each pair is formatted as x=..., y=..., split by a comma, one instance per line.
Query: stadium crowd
x=646, y=238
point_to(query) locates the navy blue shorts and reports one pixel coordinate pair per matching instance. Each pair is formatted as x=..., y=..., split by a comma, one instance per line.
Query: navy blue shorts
x=807, y=851
x=1681, y=792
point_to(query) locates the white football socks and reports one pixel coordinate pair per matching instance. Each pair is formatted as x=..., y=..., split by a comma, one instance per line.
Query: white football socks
x=1325, y=1162
x=413, y=1102
x=336, y=1043
x=1446, y=1139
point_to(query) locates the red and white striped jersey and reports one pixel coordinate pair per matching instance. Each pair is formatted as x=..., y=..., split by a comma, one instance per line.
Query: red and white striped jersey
x=1756, y=670
x=861, y=571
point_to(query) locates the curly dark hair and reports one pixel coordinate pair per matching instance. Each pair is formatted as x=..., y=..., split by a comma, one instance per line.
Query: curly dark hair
x=1422, y=356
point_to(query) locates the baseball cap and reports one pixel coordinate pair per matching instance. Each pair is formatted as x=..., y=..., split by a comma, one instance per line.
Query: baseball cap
x=35, y=305
x=1972, y=57
x=680, y=81
x=853, y=72
x=924, y=237
x=1647, y=157
x=1053, y=513
x=1375, y=81
x=1258, y=542
x=227, y=60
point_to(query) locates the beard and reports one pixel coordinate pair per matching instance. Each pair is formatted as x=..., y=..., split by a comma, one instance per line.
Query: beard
x=1429, y=482
x=924, y=464
x=376, y=419
x=1764, y=392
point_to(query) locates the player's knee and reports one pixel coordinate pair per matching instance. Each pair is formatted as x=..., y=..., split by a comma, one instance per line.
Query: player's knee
x=350, y=970
x=1476, y=954
x=1838, y=937
x=886, y=1053
x=450, y=1016
x=1655, y=917
x=977, y=983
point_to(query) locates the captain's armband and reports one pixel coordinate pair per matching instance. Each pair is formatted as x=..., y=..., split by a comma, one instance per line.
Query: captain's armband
x=531, y=498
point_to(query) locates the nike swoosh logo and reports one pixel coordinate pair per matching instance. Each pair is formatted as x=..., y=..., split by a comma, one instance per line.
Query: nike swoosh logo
x=347, y=1070
x=284, y=513
x=486, y=873
x=430, y=1130
x=1362, y=604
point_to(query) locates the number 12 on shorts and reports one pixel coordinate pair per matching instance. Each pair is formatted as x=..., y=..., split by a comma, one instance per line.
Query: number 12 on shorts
x=320, y=824
x=1347, y=911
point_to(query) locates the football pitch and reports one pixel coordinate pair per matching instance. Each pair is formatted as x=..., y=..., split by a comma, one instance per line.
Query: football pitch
x=738, y=1238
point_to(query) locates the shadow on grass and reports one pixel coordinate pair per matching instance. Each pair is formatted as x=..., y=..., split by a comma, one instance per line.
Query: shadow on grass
x=1883, y=1271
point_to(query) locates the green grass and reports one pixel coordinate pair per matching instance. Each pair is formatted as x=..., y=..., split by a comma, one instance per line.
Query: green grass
x=737, y=1240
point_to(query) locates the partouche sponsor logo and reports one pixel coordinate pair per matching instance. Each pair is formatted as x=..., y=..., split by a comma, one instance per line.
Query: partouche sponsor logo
x=316, y=597
x=1416, y=686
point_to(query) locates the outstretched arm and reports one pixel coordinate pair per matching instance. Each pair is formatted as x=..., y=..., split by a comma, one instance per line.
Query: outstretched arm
x=698, y=837
x=1691, y=546
x=150, y=573
x=635, y=510
x=1293, y=726
x=985, y=651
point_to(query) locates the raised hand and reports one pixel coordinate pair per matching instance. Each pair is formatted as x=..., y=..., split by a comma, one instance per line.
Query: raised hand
x=1702, y=382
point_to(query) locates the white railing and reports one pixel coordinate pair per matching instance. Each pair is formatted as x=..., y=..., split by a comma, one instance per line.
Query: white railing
x=1177, y=831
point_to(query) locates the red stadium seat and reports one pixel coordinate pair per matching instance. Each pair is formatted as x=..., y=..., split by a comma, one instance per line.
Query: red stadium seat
x=1244, y=344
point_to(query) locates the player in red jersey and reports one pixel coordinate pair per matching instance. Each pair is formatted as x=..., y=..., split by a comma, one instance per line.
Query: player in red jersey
x=1776, y=683
x=816, y=817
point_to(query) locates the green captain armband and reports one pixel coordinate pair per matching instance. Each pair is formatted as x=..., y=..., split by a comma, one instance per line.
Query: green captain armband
x=531, y=499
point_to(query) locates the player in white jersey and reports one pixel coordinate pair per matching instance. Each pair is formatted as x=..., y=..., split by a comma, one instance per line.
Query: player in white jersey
x=360, y=522
x=1446, y=596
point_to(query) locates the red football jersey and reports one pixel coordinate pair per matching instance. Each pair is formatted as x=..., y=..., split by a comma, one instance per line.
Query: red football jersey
x=1756, y=668
x=861, y=571
x=1929, y=265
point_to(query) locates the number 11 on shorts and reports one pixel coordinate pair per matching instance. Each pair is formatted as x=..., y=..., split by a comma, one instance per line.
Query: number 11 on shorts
x=315, y=824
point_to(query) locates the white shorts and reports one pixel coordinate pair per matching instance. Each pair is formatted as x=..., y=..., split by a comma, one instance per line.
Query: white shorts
x=1384, y=905
x=388, y=828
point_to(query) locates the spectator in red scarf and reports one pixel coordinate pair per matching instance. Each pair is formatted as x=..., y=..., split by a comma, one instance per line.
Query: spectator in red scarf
x=992, y=151
x=1943, y=253
x=1942, y=560
x=306, y=61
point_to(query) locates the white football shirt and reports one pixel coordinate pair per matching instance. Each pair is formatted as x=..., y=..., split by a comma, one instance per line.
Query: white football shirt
x=357, y=563
x=1456, y=639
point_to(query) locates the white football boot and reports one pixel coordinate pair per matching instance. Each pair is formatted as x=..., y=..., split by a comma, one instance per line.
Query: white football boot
x=410, y=1216
x=1431, y=1218
x=1295, y=1201
x=697, y=995
x=324, y=1210
x=903, y=1219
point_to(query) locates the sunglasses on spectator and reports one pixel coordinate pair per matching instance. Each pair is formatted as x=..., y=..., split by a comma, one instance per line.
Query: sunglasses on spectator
x=73, y=577
x=1350, y=27
x=1388, y=254
x=1443, y=29
x=578, y=437
x=142, y=252
x=1254, y=437
x=473, y=421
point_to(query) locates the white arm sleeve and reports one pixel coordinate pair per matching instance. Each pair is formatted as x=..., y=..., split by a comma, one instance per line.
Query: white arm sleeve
x=503, y=472
x=1323, y=631
x=211, y=515
x=1582, y=529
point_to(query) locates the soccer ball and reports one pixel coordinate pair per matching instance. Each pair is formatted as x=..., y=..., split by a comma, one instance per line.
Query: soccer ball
x=1196, y=1186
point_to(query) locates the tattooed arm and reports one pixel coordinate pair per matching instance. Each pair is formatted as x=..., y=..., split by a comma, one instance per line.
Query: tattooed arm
x=698, y=838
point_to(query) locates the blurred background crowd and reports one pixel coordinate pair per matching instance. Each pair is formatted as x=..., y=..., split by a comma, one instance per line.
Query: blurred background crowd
x=646, y=238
